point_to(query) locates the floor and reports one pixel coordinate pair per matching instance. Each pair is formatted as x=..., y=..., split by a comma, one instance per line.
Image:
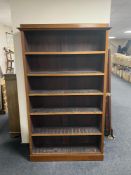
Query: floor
x=14, y=156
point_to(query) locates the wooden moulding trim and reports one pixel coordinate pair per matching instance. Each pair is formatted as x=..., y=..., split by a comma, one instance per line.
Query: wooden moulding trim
x=96, y=26
x=65, y=157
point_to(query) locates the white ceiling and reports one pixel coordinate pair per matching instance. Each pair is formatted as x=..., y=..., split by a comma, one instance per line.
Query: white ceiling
x=5, y=15
x=120, y=17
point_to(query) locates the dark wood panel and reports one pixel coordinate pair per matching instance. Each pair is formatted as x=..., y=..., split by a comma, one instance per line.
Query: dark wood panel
x=66, y=120
x=60, y=141
x=65, y=83
x=65, y=101
x=65, y=40
x=65, y=62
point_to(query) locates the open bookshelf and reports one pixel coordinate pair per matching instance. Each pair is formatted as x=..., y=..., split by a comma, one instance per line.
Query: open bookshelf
x=65, y=68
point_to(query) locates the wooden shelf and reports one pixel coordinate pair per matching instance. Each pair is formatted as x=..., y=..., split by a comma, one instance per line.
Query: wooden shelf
x=77, y=149
x=66, y=53
x=65, y=92
x=65, y=131
x=66, y=73
x=66, y=153
x=62, y=111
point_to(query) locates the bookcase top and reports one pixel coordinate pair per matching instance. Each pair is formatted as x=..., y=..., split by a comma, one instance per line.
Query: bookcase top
x=75, y=26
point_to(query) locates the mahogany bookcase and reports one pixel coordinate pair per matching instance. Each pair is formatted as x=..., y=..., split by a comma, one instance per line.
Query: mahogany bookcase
x=65, y=68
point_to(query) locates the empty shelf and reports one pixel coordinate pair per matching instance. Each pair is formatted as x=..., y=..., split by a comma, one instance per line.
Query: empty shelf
x=62, y=111
x=65, y=131
x=75, y=149
x=65, y=92
x=66, y=53
x=67, y=73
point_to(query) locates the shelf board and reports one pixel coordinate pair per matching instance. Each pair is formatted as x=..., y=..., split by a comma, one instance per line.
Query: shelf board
x=65, y=131
x=66, y=53
x=66, y=73
x=72, y=92
x=65, y=111
x=71, y=150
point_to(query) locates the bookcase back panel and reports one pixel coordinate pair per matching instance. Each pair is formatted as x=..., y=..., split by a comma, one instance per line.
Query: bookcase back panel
x=65, y=101
x=56, y=83
x=66, y=141
x=66, y=120
x=65, y=62
x=65, y=40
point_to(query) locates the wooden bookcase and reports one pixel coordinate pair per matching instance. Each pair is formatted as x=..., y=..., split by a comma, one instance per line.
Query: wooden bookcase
x=65, y=69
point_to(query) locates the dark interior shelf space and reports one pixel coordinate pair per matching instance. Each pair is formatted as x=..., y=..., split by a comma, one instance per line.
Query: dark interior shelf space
x=65, y=40
x=66, y=125
x=67, y=143
x=66, y=121
x=66, y=83
x=65, y=92
x=40, y=63
x=65, y=102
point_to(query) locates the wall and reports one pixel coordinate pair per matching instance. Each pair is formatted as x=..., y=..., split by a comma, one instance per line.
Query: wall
x=50, y=11
x=3, y=43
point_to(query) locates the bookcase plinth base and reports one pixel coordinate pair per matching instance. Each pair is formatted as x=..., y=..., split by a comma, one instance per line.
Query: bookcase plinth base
x=67, y=157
